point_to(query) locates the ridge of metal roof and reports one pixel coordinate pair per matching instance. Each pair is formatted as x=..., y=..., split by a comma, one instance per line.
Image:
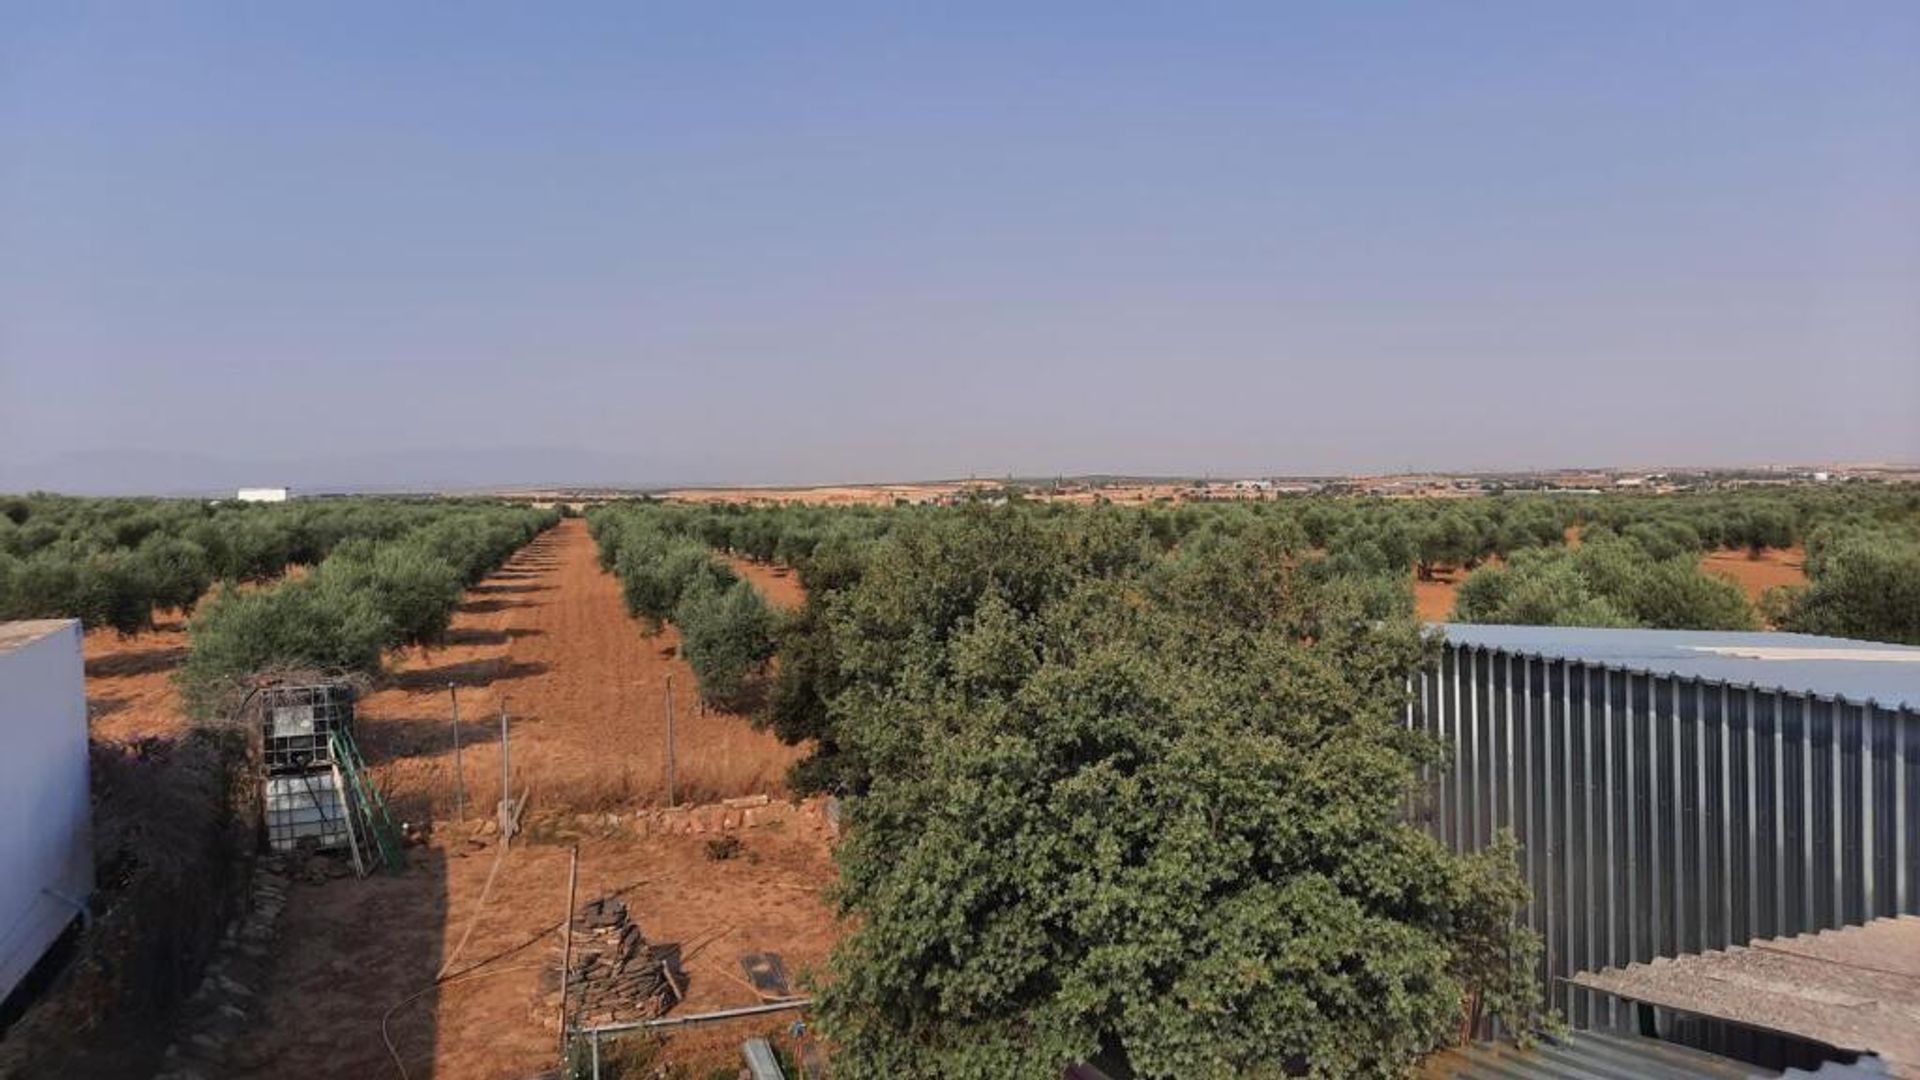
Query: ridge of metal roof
x=1586, y=1055
x=1867, y=672
x=1591, y=1055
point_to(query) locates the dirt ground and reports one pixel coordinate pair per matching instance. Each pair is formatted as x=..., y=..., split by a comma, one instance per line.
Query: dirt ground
x=1775, y=567
x=355, y=953
x=130, y=691
x=585, y=692
x=779, y=584
x=1433, y=599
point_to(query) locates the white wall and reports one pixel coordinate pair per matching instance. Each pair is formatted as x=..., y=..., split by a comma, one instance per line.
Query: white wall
x=46, y=842
x=261, y=495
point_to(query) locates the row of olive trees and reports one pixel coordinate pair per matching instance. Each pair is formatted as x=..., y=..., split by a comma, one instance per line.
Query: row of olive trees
x=114, y=562
x=727, y=630
x=1863, y=582
x=1608, y=581
x=364, y=598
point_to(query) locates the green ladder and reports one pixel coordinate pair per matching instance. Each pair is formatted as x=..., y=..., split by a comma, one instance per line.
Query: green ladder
x=376, y=827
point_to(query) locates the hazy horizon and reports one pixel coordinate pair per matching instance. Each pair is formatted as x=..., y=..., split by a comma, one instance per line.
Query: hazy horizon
x=110, y=472
x=769, y=245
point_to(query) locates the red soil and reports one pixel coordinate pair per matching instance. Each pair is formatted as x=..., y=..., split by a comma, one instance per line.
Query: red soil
x=779, y=584
x=1433, y=600
x=1775, y=567
x=354, y=951
x=130, y=691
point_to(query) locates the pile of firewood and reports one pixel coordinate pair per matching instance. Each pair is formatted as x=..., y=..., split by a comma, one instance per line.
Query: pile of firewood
x=616, y=976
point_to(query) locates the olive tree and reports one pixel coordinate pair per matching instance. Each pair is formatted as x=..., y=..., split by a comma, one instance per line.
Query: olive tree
x=1140, y=806
x=727, y=637
x=1863, y=584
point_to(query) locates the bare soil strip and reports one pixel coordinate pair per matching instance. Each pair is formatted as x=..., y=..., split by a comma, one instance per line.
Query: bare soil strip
x=585, y=693
x=1774, y=567
x=779, y=584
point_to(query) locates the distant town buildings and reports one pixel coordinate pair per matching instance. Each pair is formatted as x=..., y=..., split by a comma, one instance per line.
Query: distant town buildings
x=262, y=495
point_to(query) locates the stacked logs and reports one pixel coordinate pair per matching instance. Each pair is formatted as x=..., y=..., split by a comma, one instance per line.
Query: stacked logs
x=616, y=975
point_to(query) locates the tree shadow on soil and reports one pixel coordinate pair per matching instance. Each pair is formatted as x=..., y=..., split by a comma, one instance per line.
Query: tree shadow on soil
x=468, y=673
x=121, y=665
x=421, y=738
x=98, y=707
x=481, y=607
x=477, y=635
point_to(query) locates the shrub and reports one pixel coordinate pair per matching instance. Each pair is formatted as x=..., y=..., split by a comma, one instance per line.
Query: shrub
x=300, y=625
x=112, y=591
x=1863, y=584
x=414, y=590
x=727, y=637
x=177, y=571
x=1676, y=594
x=1609, y=581
x=1540, y=588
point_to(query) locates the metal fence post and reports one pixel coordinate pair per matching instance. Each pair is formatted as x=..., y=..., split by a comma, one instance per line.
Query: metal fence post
x=459, y=773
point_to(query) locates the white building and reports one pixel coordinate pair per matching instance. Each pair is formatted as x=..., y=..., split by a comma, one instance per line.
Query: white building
x=262, y=494
x=46, y=828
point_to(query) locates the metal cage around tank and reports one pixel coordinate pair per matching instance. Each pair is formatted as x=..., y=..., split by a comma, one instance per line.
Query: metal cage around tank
x=297, y=723
x=303, y=799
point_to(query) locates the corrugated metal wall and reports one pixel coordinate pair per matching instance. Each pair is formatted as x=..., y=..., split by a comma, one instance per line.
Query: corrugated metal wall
x=1661, y=815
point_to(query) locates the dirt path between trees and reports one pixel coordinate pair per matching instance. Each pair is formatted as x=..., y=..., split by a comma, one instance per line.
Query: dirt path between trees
x=585, y=693
x=779, y=584
x=1775, y=567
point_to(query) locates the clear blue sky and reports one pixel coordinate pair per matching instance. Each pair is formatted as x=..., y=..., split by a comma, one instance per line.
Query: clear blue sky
x=798, y=242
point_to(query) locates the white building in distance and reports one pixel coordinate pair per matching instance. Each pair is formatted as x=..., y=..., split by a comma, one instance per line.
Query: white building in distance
x=262, y=494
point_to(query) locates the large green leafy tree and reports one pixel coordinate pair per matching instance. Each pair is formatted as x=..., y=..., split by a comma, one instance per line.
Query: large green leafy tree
x=1863, y=584
x=1143, y=806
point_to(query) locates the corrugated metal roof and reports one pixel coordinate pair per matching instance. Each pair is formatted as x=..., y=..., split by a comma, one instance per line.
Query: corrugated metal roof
x=1585, y=1055
x=1856, y=988
x=1861, y=671
x=1590, y=1055
x=1867, y=1068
